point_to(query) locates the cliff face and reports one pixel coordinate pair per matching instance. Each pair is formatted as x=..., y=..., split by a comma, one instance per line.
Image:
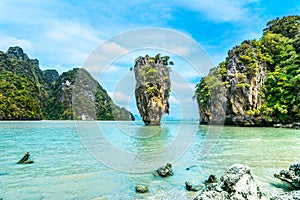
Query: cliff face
x=245, y=85
x=234, y=88
x=20, y=89
x=152, y=87
x=28, y=93
x=77, y=95
x=258, y=83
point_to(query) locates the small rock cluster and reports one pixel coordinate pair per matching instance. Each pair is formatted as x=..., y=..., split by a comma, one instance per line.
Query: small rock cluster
x=163, y=171
x=237, y=183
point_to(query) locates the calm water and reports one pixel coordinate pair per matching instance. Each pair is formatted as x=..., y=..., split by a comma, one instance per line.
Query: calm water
x=64, y=168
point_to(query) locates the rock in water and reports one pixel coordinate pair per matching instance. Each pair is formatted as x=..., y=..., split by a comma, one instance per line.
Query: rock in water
x=236, y=183
x=25, y=159
x=165, y=171
x=291, y=176
x=152, y=87
x=191, y=187
x=141, y=189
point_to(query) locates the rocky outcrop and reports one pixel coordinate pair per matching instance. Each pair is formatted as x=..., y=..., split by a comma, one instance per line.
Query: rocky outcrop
x=231, y=93
x=257, y=82
x=152, y=87
x=245, y=84
x=28, y=93
x=294, y=195
x=237, y=183
x=291, y=176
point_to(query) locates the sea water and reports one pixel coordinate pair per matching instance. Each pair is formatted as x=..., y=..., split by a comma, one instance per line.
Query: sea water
x=66, y=168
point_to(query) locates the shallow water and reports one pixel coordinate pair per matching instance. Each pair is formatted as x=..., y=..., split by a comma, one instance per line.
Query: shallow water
x=64, y=168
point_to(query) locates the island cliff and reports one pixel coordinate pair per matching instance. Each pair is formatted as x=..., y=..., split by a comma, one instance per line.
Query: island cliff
x=152, y=87
x=28, y=93
x=258, y=83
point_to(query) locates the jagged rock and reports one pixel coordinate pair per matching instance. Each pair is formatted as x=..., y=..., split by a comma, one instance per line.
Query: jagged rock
x=141, y=189
x=152, y=88
x=291, y=176
x=25, y=159
x=191, y=187
x=234, y=92
x=17, y=53
x=211, y=179
x=294, y=195
x=164, y=171
x=237, y=183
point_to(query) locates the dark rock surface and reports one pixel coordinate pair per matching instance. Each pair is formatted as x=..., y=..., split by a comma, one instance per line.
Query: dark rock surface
x=296, y=125
x=25, y=159
x=211, y=179
x=291, y=176
x=192, y=187
x=237, y=183
x=152, y=88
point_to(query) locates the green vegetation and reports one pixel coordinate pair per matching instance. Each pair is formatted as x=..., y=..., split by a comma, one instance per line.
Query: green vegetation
x=276, y=53
x=27, y=93
x=154, y=71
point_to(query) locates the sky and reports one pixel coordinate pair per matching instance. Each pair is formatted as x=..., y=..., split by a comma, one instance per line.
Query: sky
x=63, y=34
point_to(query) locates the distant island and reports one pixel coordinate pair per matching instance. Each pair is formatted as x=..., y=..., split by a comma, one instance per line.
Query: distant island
x=259, y=82
x=28, y=93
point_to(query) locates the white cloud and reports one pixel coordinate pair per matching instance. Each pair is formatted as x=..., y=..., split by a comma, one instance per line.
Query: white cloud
x=8, y=41
x=220, y=10
x=173, y=100
x=119, y=97
x=68, y=42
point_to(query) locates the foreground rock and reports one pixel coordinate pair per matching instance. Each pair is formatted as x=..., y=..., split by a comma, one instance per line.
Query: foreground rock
x=237, y=183
x=294, y=195
x=25, y=159
x=291, y=176
x=152, y=87
x=164, y=171
x=141, y=189
x=191, y=187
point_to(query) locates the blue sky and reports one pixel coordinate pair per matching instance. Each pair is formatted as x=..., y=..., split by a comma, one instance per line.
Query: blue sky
x=63, y=33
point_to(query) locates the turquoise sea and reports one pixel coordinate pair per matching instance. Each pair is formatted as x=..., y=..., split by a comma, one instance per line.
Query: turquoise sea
x=66, y=168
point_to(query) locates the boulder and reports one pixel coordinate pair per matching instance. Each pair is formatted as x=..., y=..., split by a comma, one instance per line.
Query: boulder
x=278, y=125
x=237, y=183
x=296, y=125
x=191, y=187
x=211, y=179
x=141, y=189
x=164, y=171
x=291, y=176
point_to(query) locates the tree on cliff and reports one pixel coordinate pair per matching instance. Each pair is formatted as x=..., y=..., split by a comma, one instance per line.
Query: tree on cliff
x=262, y=77
x=28, y=93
